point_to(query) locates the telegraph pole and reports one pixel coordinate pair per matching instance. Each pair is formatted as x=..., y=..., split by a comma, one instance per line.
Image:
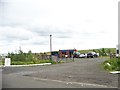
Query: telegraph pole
x=50, y=47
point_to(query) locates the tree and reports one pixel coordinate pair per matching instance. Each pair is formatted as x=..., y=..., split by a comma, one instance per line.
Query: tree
x=100, y=53
x=21, y=56
x=30, y=56
x=108, y=51
x=94, y=50
x=29, y=52
x=103, y=52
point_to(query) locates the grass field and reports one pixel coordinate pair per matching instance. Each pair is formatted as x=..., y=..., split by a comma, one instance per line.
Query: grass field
x=113, y=50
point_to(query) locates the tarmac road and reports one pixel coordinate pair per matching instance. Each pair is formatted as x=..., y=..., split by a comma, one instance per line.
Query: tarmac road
x=83, y=73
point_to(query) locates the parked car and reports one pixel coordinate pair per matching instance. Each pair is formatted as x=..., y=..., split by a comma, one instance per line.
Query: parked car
x=92, y=55
x=83, y=55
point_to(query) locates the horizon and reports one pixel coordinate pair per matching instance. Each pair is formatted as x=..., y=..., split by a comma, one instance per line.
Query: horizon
x=54, y=51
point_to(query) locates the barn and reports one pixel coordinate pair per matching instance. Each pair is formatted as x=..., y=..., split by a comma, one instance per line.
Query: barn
x=68, y=53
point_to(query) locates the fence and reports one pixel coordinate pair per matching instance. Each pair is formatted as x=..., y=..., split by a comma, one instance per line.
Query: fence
x=57, y=59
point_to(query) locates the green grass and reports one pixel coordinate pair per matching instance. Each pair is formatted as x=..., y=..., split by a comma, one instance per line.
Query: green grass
x=1, y=62
x=34, y=62
x=29, y=62
x=90, y=50
x=114, y=64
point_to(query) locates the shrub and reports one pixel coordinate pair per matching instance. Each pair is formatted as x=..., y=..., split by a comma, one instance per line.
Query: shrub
x=114, y=64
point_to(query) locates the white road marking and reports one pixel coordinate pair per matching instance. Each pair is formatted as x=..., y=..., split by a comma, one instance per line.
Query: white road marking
x=82, y=84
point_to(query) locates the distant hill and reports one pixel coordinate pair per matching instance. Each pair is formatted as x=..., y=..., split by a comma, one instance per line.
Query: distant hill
x=113, y=50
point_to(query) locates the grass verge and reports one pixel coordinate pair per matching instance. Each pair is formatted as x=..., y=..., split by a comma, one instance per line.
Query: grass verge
x=112, y=64
x=1, y=62
x=29, y=62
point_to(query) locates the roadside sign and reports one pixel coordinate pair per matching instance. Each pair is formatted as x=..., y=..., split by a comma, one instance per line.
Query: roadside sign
x=7, y=62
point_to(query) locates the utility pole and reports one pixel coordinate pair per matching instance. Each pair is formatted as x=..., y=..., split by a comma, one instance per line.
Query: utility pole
x=50, y=47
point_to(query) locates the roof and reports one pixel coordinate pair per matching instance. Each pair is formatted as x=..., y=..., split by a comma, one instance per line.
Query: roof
x=70, y=50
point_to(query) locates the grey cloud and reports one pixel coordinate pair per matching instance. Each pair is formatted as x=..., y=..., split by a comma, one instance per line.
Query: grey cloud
x=14, y=34
x=46, y=31
x=39, y=43
x=19, y=13
x=36, y=40
x=40, y=31
x=14, y=37
x=63, y=35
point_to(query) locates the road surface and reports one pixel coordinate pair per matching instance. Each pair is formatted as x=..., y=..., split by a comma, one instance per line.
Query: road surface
x=83, y=73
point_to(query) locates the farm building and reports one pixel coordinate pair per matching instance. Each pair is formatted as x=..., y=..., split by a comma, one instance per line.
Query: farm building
x=63, y=53
x=68, y=52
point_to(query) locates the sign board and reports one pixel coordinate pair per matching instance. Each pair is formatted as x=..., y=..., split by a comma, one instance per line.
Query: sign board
x=7, y=62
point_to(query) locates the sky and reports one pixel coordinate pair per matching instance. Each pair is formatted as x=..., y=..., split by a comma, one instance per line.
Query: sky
x=79, y=24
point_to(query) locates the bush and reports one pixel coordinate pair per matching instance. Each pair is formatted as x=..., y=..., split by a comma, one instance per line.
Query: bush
x=114, y=64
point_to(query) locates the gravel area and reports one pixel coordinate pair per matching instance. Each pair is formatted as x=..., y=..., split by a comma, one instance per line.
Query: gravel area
x=82, y=70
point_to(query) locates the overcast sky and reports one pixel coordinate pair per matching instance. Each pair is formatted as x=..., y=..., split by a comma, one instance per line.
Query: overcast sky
x=80, y=24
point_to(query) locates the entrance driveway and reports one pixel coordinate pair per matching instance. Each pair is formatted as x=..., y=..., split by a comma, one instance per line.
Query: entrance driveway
x=82, y=73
